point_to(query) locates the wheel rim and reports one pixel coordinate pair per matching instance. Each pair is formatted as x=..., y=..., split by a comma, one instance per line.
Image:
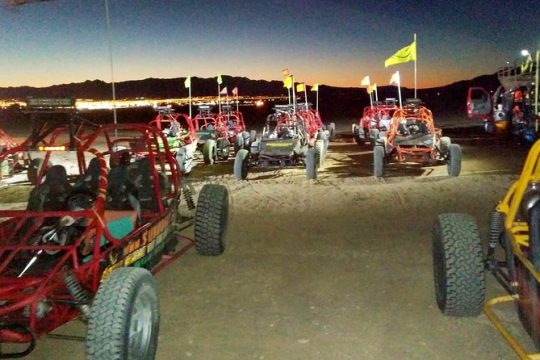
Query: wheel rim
x=140, y=327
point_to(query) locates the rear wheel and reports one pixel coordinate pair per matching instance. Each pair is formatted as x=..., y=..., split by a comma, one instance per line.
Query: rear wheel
x=458, y=265
x=378, y=161
x=211, y=218
x=209, y=152
x=241, y=164
x=454, y=160
x=124, y=317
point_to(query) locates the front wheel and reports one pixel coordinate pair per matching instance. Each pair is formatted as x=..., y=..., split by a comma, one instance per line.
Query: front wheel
x=331, y=127
x=445, y=145
x=209, y=152
x=241, y=164
x=458, y=265
x=223, y=146
x=211, y=217
x=378, y=161
x=311, y=164
x=454, y=160
x=239, y=143
x=320, y=152
x=124, y=317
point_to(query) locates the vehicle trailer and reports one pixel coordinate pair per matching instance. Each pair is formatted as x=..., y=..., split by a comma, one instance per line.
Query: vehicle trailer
x=93, y=234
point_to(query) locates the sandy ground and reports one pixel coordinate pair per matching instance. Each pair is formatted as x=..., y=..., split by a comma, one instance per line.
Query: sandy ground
x=335, y=268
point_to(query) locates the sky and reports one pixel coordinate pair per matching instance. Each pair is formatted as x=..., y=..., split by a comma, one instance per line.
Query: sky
x=329, y=42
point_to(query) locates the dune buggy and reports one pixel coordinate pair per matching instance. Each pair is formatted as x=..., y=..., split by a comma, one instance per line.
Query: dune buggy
x=212, y=135
x=18, y=161
x=413, y=137
x=180, y=133
x=218, y=131
x=289, y=138
x=93, y=233
x=512, y=256
x=374, y=119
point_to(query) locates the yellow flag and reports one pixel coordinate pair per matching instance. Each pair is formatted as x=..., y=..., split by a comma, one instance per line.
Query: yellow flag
x=287, y=82
x=315, y=87
x=369, y=89
x=187, y=82
x=528, y=63
x=408, y=53
x=300, y=87
x=219, y=80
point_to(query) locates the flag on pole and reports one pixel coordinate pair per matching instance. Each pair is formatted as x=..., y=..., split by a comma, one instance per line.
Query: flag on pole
x=187, y=82
x=406, y=54
x=235, y=91
x=315, y=87
x=365, y=81
x=219, y=80
x=374, y=87
x=528, y=63
x=394, y=80
x=300, y=87
x=223, y=91
x=285, y=72
x=287, y=82
x=369, y=89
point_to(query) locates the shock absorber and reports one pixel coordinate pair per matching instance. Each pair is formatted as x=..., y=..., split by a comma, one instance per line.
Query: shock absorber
x=496, y=227
x=79, y=294
x=188, y=191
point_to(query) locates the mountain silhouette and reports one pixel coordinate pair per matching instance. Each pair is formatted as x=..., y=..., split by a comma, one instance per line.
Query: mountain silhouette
x=336, y=102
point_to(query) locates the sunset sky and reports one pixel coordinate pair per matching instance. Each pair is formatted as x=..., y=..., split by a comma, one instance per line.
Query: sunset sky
x=329, y=42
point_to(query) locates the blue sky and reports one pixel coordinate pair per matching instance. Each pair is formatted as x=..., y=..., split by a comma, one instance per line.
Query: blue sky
x=329, y=42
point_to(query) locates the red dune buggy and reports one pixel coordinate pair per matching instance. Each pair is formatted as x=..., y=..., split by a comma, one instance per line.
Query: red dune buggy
x=92, y=235
x=180, y=133
x=18, y=161
x=374, y=119
x=217, y=131
x=413, y=137
x=212, y=139
x=513, y=257
x=289, y=138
